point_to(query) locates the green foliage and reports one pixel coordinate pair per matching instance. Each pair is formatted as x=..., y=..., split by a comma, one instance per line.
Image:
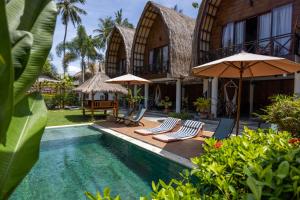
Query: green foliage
x=49, y=69
x=106, y=195
x=23, y=140
x=166, y=103
x=26, y=32
x=202, y=104
x=256, y=165
x=134, y=100
x=195, y=5
x=182, y=115
x=285, y=112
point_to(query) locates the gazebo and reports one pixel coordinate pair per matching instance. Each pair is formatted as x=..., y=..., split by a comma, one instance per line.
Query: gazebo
x=97, y=84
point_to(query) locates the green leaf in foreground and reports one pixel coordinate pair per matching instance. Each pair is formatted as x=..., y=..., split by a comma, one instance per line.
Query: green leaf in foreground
x=6, y=75
x=21, y=151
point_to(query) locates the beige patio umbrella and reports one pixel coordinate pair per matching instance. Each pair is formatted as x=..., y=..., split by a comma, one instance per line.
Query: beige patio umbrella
x=246, y=65
x=128, y=79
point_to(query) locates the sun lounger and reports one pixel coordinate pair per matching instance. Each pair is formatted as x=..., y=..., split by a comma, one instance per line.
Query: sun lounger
x=224, y=129
x=168, y=125
x=136, y=120
x=188, y=130
x=121, y=117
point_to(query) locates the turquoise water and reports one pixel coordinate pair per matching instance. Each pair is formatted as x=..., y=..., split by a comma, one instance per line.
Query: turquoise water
x=78, y=159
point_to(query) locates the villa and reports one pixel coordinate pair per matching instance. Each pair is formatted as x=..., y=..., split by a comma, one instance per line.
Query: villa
x=226, y=27
x=164, y=52
x=118, y=53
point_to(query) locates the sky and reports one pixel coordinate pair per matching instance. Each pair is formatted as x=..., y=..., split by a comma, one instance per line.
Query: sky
x=96, y=9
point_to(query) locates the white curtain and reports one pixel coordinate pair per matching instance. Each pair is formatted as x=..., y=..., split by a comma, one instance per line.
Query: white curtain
x=151, y=60
x=265, y=24
x=228, y=34
x=282, y=24
x=165, y=58
x=239, y=35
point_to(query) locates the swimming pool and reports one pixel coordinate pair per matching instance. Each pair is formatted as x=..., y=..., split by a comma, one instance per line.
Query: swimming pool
x=78, y=159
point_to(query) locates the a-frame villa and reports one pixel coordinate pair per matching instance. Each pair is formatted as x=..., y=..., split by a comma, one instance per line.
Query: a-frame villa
x=225, y=27
x=161, y=52
x=118, y=53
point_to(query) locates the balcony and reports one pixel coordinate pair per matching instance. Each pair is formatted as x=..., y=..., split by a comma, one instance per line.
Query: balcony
x=281, y=46
x=153, y=71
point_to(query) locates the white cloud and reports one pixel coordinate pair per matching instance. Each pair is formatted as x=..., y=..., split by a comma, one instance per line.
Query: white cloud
x=73, y=69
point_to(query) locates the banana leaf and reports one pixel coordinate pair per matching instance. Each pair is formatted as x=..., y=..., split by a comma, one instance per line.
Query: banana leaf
x=6, y=75
x=32, y=24
x=21, y=150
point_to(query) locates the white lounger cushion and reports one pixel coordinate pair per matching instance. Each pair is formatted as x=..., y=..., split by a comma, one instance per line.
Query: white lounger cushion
x=188, y=130
x=168, y=125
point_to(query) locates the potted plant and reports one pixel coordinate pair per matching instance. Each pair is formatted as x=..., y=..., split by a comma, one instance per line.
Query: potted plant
x=166, y=103
x=202, y=106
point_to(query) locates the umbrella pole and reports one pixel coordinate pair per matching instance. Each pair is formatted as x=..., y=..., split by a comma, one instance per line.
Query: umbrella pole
x=238, y=114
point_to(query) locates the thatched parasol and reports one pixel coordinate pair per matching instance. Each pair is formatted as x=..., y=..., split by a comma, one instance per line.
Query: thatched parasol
x=98, y=84
x=244, y=65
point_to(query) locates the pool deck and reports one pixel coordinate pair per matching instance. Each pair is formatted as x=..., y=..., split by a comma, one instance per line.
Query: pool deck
x=187, y=149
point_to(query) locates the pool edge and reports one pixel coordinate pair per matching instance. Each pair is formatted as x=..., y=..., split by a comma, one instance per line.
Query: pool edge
x=70, y=125
x=154, y=149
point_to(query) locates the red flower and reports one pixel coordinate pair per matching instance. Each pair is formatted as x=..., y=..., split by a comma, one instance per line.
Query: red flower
x=294, y=140
x=218, y=144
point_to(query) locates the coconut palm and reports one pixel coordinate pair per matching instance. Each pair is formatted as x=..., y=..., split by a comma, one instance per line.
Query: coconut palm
x=106, y=25
x=69, y=11
x=82, y=47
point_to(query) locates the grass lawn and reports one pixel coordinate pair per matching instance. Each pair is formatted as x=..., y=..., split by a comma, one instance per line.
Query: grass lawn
x=67, y=117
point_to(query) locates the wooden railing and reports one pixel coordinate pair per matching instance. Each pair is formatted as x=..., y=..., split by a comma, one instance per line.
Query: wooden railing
x=281, y=46
x=99, y=104
x=153, y=69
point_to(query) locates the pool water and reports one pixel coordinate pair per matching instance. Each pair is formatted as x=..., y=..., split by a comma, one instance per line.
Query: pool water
x=78, y=159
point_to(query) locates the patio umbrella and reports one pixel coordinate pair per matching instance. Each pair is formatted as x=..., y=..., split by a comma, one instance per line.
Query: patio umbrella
x=128, y=79
x=246, y=65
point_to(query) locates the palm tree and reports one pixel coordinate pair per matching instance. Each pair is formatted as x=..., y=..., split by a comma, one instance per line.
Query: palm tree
x=106, y=25
x=69, y=12
x=82, y=47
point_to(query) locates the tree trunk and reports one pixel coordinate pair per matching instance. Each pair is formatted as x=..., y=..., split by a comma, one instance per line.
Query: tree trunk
x=64, y=49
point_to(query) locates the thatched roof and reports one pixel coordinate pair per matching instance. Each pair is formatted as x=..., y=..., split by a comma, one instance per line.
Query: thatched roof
x=97, y=84
x=203, y=29
x=180, y=33
x=119, y=35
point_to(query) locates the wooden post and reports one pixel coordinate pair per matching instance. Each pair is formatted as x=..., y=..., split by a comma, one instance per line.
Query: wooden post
x=92, y=107
x=239, y=101
x=82, y=104
x=116, y=105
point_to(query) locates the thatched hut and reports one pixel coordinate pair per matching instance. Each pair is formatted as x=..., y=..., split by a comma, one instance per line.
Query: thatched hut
x=162, y=51
x=269, y=27
x=118, y=53
x=97, y=85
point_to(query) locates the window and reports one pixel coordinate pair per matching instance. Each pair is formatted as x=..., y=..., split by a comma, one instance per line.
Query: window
x=122, y=67
x=239, y=35
x=159, y=59
x=228, y=34
x=281, y=25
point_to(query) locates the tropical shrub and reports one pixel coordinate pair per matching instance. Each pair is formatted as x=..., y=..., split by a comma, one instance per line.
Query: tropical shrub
x=182, y=115
x=257, y=165
x=202, y=104
x=285, y=112
x=105, y=196
x=134, y=100
x=26, y=37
